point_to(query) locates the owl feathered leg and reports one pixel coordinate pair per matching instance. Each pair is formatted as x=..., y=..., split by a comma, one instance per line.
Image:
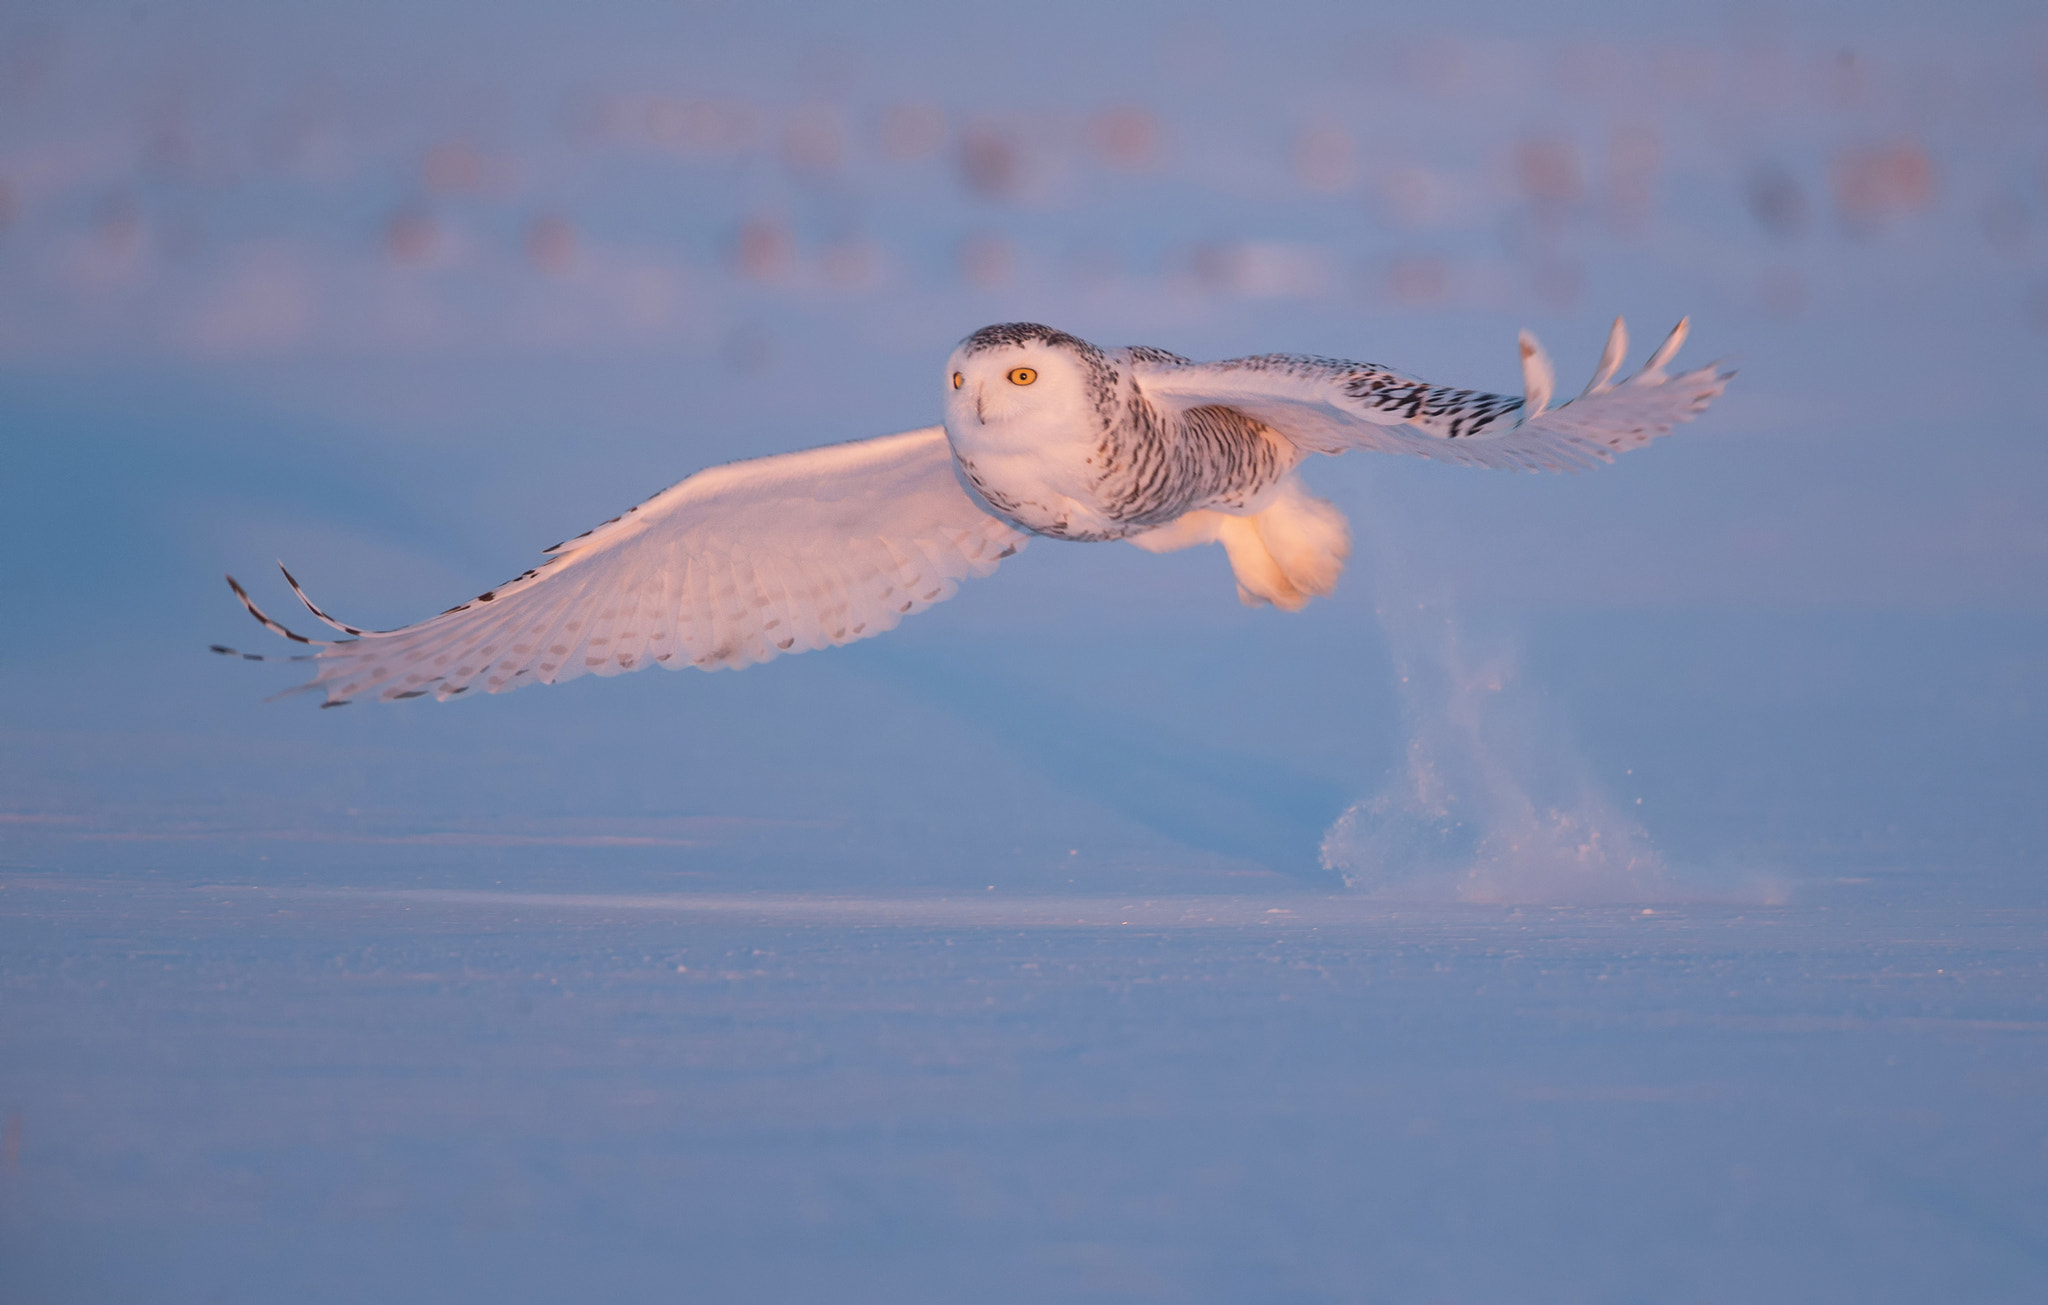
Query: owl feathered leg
x=1286, y=553
x=1308, y=540
x=1260, y=578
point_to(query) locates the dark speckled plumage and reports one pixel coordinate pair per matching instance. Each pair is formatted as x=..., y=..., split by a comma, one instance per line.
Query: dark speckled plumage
x=1453, y=412
x=1159, y=465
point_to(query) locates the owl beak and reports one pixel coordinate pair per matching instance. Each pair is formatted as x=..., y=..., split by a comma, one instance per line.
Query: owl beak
x=977, y=407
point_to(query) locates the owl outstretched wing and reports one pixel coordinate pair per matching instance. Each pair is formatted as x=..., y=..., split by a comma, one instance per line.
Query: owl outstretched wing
x=1326, y=405
x=733, y=566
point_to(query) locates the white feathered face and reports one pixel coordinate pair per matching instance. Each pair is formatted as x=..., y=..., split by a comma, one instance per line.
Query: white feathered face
x=1004, y=376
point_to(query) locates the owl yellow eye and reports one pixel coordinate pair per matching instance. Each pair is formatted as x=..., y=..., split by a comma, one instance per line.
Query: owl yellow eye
x=1022, y=376
x=958, y=380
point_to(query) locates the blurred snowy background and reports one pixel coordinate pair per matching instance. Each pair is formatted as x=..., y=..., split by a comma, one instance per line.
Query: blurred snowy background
x=401, y=293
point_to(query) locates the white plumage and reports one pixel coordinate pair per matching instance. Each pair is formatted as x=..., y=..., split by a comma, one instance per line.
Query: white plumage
x=1044, y=434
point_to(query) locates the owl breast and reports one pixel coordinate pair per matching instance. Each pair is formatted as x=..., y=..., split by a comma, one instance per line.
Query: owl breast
x=1036, y=494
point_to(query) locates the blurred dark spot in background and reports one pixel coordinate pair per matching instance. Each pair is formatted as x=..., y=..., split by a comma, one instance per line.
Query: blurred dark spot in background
x=1125, y=136
x=763, y=249
x=551, y=244
x=1777, y=201
x=412, y=237
x=1874, y=184
x=991, y=162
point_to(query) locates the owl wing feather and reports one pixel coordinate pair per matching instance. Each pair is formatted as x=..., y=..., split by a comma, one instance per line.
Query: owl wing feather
x=735, y=565
x=1328, y=405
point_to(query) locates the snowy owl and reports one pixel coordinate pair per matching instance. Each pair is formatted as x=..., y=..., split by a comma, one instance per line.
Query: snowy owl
x=1044, y=434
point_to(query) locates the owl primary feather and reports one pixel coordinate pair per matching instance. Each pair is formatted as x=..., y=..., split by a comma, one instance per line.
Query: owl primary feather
x=1044, y=434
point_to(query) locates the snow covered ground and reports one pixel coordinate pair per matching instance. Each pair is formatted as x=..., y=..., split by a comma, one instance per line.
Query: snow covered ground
x=252, y=1093
x=1627, y=888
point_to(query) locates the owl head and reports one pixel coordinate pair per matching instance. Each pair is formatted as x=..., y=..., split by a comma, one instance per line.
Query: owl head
x=1023, y=372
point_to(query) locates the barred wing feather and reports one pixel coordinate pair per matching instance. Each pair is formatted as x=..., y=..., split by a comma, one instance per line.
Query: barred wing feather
x=1327, y=405
x=735, y=565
